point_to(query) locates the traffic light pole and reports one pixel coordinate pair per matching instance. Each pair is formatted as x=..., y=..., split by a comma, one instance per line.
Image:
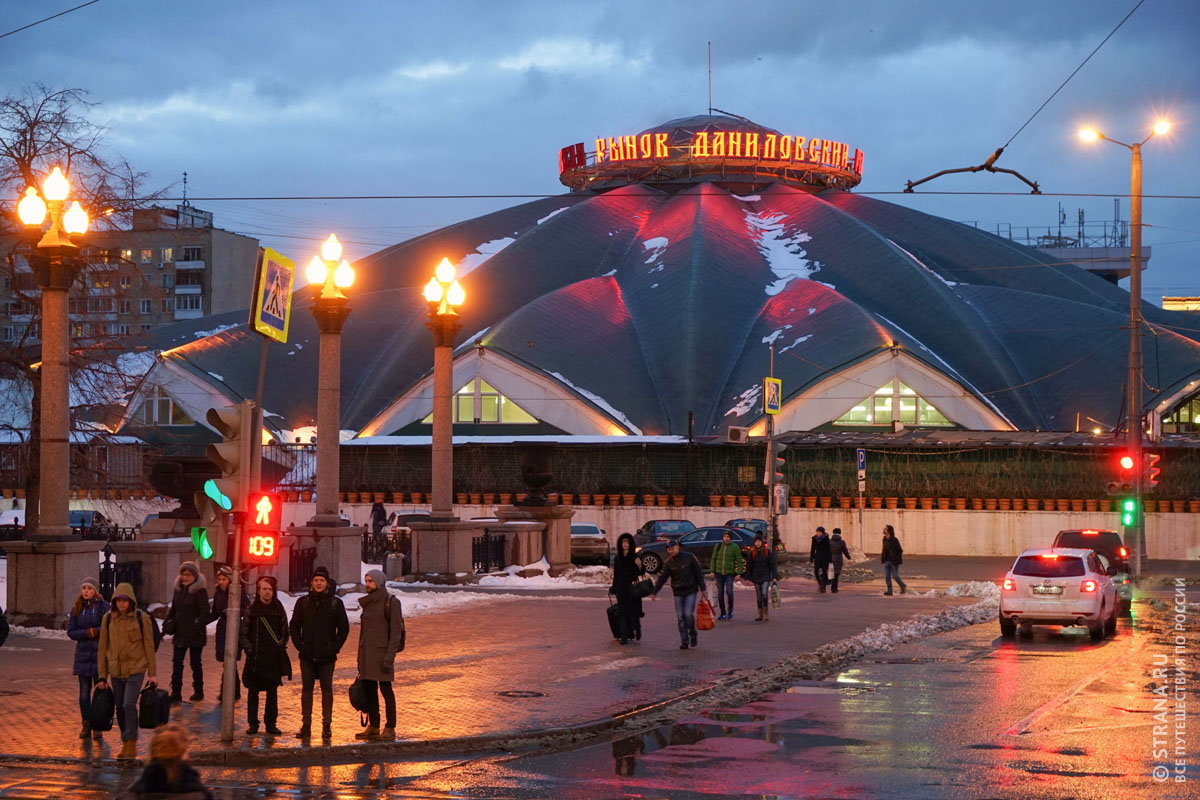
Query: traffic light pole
x=1134, y=402
x=771, y=462
x=233, y=618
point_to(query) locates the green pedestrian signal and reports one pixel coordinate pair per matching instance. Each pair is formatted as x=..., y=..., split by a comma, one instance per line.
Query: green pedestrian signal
x=1129, y=507
x=201, y=544
x=216, y=495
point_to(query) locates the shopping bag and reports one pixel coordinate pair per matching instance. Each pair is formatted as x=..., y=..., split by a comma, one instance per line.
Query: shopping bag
x=154, y=707
x=776, y=600
x=705, y=620
x=103, y=708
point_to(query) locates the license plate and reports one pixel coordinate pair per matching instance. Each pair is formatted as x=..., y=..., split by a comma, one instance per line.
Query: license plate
x=1047, y=590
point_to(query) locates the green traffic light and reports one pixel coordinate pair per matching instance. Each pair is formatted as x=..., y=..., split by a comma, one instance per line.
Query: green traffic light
x=1129, y=512
x=200, y=543
x=215, y=494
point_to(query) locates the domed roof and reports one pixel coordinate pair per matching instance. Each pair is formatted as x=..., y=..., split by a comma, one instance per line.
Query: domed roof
x=647, y=303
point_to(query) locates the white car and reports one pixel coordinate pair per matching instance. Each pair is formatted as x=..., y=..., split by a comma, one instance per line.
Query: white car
x=1058, y=586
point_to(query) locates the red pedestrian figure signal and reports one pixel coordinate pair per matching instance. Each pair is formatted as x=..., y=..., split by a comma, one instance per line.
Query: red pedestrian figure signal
x=263, y=508
x=263, y=529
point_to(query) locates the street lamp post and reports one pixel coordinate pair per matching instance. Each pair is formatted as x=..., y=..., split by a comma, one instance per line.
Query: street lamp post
x=1134, y=380
x=328, y=274
x=54, y=259
x=444, y=294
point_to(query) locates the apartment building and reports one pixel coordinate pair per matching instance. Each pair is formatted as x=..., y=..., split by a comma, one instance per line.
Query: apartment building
x=172, y=265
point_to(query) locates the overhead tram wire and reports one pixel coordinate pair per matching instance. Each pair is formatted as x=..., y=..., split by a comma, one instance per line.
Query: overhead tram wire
x=47, y=19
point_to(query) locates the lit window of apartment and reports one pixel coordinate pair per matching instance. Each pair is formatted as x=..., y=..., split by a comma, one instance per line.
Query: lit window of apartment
x=168, y=304
x=160, y=409
x=188, y=302
x=195, y=253
x=77, y=330
x=144, y=305
x=147, y=255
x=126, y=281
x=102, y=280
x=166, y=254
x=127, y=254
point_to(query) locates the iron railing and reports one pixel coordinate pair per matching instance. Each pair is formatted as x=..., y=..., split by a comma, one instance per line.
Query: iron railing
x=114, y=573
x=301, y=563
x=487, y=553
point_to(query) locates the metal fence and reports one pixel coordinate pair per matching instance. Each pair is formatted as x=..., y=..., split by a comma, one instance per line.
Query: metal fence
x=114, y=573
x=301, y=563
x=377, y=546
x=487, y=553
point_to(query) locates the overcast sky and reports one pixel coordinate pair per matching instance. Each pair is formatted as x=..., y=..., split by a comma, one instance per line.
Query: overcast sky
x=369, y=98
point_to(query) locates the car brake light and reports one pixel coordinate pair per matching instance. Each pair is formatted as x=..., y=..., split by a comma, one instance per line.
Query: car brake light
x=1010, y=585
x=1121, y=551
x=1050, y=555
x=1090, y=533
x=1088, y=586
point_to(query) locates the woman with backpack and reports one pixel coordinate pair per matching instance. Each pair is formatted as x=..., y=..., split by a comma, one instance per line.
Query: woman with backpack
x=264, y=638
x=381, y=629
x=126, y=657
x=83, y=626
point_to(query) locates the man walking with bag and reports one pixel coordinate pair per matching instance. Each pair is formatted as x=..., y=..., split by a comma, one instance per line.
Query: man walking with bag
x=319, y=629
x=821, y=554
x=687, y=581
x=726, y=564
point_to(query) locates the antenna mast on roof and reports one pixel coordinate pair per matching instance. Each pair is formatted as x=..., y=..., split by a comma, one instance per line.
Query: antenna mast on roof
x=185, y=200
x=710, y=77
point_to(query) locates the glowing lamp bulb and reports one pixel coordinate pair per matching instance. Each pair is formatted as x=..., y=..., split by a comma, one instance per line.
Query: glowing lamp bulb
x=455, y=294
x=31, y=209
x=56, y=185
x=445, y=271
x=331, y=250
x=433, y=291
x=1126, y=462
x=1089, y=134
x=316, y=271
x=76, y=219
x=343, y=276
x=1162, y=127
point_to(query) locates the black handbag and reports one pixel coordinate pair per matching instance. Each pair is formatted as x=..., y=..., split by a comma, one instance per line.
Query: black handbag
x=358, y=695
x=642, y=587
x=154, y=707
x=100, y=717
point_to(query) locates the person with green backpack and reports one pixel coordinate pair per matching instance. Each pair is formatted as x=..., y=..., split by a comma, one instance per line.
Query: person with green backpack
x=726, y=564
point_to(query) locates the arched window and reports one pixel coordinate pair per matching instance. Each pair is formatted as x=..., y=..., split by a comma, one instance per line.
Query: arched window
x=478, y=402
x=894, y=402
x=1185, y=418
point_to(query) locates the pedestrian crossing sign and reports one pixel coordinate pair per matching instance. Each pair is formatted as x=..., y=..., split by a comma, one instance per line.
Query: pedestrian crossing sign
x=272, y=305
x=772, y=395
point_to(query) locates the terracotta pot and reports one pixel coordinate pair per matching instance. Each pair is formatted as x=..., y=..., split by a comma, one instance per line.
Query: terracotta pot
x=891, y=502
x=844, y=502
x=1104, y=504
x=1018, y=503
x=1179, y=506
x=858, y=502
x=475, y=498
x=960, y=503
x=20, y=493
x=615, y=500
x=810, y=502
x=758, y=501
x=793, y=502
x=977, y=504
x=943, y=503
x=910, y=502
x=565, y=498
x=460, y=498
x=113, y=494
x=824, y=502
x=505, y=498
x=1077, y=505
x=730, y=500
x=522, y=496
x=649, y=499
x=926, y=503
x=677, y=500
x=305, y=496
x=1062, y=504
x=990, y=503
x=1006, y=503
x=1151, y=506
x=1049, y=505
x=714, y=500
x=628, y=499
x=743, y=500
x=664, y=499
x=1091, y=505
x=351, y=497
x=8, y=493
x=1193, y=506
x=293, y=497
x=876, y=502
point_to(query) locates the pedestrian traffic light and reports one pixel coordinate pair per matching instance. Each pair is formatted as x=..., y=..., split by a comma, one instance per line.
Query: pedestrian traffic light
x=233, y=456
x=1152, y=470
x=1129, y=509
x=775, y=462
x=211, y=535
x=201, y=543
x=1126, y=475
x=263, y=529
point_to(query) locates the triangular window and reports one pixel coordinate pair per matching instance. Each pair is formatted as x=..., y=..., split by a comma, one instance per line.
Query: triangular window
x=478, y=402
x=894, y=402
x=160, y=409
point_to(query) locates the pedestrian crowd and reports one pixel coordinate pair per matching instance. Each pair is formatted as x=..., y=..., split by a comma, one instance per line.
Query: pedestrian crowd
x=116, y=644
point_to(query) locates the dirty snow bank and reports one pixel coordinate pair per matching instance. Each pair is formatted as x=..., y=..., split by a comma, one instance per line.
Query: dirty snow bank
x=575, y=576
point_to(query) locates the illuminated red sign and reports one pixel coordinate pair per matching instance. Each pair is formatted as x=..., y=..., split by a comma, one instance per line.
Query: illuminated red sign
x=263, y=529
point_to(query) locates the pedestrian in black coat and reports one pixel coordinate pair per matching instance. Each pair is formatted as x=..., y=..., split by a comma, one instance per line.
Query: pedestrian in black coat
x=379, y=518
x=319, y=629
x=627, y=568
x=687, y=581
x=264, y=638
x=821, y=556
x=220, y=605
x=841, y=554
x=185, y=623
x=761, y=570
x=892, y=556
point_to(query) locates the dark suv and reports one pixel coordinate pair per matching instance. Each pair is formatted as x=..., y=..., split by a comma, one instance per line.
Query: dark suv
x=1109, y=545
x=659, y=530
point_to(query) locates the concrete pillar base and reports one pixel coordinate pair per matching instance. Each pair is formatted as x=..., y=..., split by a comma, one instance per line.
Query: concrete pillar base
x=556, y=539
x=327, y=521
x=44, y=579
x=443, y=547
x=339, y=549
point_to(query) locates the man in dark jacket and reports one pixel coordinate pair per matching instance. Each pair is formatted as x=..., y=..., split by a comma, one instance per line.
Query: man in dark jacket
x=687, y=581
x=185, y=622
x=319, y=629
x=220, y=608
x=841, y=553
x=892, y=556
x=821, y=554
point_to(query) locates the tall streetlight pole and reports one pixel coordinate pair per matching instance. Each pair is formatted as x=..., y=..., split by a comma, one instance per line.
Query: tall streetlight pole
x=328, y=274
x=54, y=259
x=1134, y=380
x=444, y=294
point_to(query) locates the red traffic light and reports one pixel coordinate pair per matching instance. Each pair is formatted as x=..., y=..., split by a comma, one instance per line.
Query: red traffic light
x=263, y=529
x=1126, y=462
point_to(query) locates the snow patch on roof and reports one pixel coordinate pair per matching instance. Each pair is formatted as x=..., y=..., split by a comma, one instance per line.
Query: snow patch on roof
x=473, y=339
x=221, y=378
x=655, y=247
x=483, y=252
x=922, y=264
x=609, y=274
x=784, y=254
x=797, y=341
x=773, y=336
x=747, y=198
x=218, y=329
x=552, y=213
x=747, y=401
x=601, y=402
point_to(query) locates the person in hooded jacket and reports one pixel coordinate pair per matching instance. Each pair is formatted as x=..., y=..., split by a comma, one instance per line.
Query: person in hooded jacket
x=761, y=570
x=821, y=556
x=126, y=657
x=264, y=638
x=319, y=629
x=168, y=774
x=186, y=622
x=220, y=605
x=83, y=626
x=627, y=568
x=378, y=642
x=841, y=554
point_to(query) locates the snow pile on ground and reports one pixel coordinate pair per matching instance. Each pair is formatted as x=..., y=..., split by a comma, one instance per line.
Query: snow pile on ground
x=510, y=577
x=984, y=590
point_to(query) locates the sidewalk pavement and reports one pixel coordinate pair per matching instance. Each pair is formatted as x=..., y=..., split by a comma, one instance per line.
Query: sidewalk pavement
x=554, y=655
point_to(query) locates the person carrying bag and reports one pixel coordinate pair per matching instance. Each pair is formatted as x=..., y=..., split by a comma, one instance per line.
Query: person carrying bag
x=264, y=638
x=126, y=657
x=83, y=627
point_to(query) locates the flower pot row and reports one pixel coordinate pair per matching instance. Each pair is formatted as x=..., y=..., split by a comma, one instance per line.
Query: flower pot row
x=99, y=494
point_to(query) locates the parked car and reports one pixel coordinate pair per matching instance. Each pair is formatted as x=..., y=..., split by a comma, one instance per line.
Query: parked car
x=589, y=542
x=699, y=542
x=1109, y=545
x=1058, y=586
x=659, y=530
x=754, y=525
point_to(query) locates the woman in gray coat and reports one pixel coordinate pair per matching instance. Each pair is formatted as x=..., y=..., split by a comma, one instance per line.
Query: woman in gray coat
x=381, y=629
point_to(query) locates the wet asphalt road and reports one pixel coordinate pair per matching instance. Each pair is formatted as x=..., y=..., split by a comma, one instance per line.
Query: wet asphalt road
x=964, y=714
